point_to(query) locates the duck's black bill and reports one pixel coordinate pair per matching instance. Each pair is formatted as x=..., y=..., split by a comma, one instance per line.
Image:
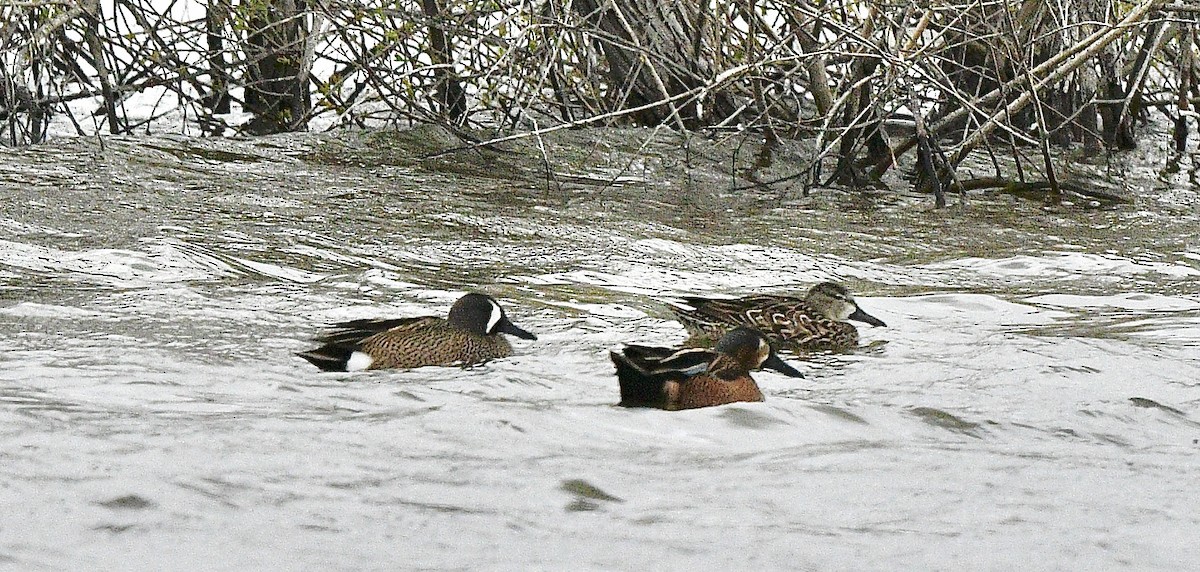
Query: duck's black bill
x=777, y=364
x=508, y=327
x=861, y=316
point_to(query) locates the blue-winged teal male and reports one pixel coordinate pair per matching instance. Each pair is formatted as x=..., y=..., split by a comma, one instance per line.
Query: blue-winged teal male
x=470, y=334
x=815, y=322
x=689, y=378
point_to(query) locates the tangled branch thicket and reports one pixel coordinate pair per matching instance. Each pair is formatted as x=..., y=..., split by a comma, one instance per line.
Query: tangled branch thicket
x=866, y=81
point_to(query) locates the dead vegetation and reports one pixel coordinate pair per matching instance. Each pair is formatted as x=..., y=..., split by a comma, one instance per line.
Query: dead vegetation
x=871, y=85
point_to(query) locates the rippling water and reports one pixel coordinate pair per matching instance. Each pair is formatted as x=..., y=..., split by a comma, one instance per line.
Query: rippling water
x=1033, y=402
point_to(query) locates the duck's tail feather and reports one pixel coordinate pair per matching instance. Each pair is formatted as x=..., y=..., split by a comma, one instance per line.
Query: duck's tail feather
x=329, y=357
x=638, y=387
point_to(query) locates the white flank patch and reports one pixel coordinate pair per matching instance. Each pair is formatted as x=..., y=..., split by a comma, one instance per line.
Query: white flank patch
x=359, y=361
x=494, y=319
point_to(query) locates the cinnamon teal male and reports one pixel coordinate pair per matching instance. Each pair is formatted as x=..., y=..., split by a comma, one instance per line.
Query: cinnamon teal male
x=472, y=333
x=689, y=378
x=815, y=322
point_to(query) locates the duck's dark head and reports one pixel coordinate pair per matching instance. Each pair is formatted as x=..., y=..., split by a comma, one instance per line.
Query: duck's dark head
x=751, y=350
x=482, y=314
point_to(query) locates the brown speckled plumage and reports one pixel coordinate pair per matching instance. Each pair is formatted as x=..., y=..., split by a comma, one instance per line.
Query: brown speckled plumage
x=690, y=378
x=707, y=391
x=432, y=341
x=817, y=322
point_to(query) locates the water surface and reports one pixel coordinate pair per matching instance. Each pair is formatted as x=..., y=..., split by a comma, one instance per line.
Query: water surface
x=1033, y=402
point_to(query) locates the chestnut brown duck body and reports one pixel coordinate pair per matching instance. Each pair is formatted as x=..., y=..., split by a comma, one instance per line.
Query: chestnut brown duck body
x=688, y=378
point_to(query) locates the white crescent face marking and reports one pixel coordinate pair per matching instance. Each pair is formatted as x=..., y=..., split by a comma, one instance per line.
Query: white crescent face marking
x=494, y=319
x=847, y=309
x=359, y=361
x=764, y=351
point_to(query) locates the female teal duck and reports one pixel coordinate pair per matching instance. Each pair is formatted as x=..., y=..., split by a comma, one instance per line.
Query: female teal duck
x=815, y=322
x=676, y=379
x=470, y=334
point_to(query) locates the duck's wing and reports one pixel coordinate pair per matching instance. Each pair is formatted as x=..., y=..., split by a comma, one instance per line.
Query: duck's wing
x=353, y=332
x=339, y=344
x=669, y=362
x=649, y=376
x=781, y=318
x=712, y=317
x=744, y=311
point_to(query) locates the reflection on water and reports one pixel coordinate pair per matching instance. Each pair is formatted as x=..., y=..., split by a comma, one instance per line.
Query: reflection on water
x=1034, y=396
